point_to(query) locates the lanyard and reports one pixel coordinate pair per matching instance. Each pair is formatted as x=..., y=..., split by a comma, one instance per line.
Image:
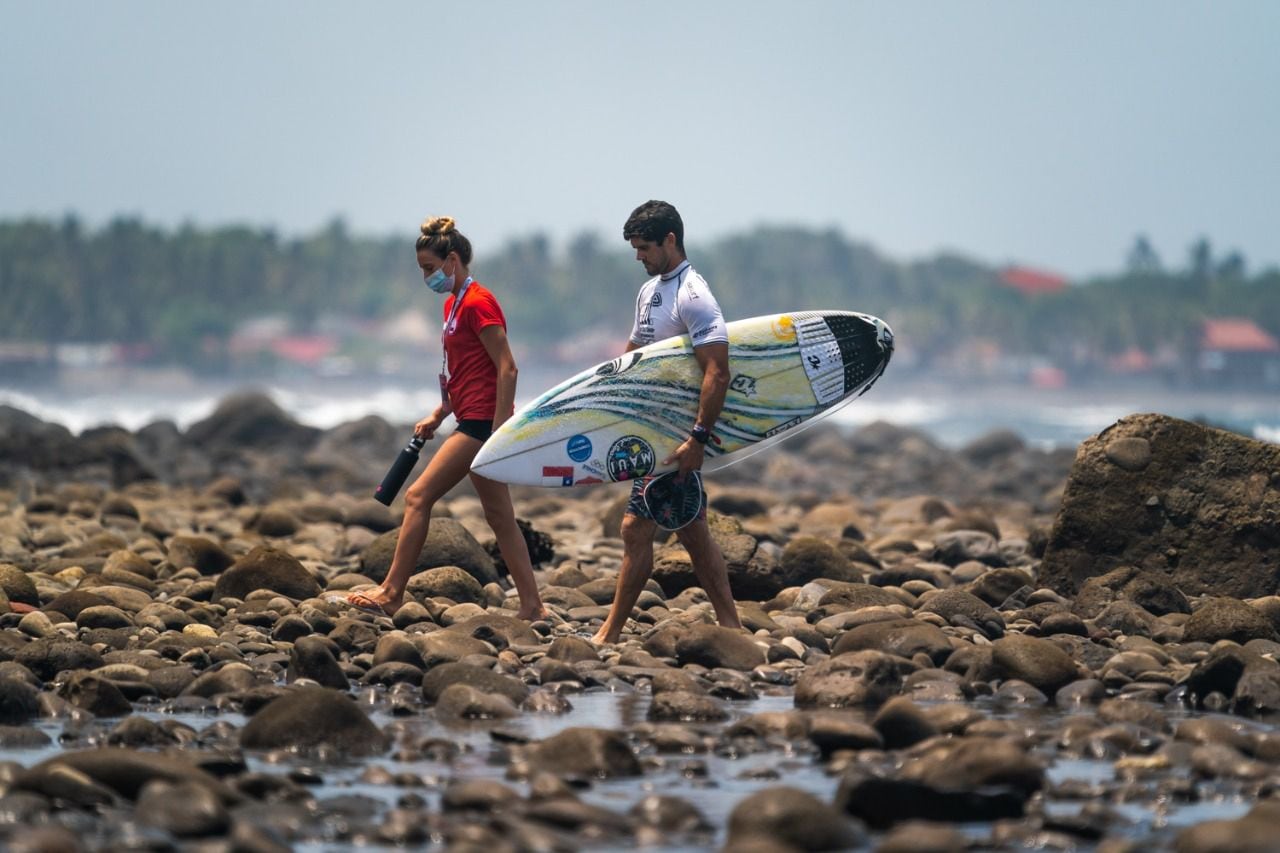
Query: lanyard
x=450, y=326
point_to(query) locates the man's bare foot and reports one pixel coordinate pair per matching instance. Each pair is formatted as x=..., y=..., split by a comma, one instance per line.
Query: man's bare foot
x=602, y=639
x=376, y=601
x=534, y=614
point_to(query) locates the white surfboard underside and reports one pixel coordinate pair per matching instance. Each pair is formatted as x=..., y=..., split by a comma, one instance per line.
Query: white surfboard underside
x=618, y=420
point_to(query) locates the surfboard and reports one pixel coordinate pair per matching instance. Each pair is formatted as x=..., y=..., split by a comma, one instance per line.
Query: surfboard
x=619, y=420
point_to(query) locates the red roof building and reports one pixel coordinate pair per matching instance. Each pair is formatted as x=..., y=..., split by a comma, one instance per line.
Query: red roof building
x=1236, y=334
x=1032, y=281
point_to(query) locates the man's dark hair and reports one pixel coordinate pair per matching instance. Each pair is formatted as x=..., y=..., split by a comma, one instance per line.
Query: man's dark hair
x=653, y=221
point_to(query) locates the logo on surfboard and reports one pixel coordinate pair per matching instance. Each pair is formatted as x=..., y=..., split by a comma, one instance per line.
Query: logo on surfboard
x=578, y=448
x=630, y=458
x=784, y=329
x=744, y=385
x=625, y=362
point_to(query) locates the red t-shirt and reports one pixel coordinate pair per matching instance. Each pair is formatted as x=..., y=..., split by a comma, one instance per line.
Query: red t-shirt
x=473, y=377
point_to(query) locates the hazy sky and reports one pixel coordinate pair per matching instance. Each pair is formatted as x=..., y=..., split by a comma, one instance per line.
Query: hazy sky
x=1045, y=132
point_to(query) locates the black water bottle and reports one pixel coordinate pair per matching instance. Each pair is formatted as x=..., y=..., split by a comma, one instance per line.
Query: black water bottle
x=398, y=472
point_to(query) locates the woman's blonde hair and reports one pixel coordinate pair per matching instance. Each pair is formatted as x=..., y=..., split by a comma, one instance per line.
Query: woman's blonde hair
x=440, y=236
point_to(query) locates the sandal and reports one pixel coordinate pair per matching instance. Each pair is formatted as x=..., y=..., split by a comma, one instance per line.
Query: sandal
x=362, y=602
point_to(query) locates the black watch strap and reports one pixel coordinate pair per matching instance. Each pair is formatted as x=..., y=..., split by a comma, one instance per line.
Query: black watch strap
x=700, y=434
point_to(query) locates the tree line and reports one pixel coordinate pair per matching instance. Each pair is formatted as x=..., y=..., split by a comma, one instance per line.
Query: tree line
x=128, y=281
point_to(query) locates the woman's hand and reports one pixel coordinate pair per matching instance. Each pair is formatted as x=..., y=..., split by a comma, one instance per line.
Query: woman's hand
x=425, y=429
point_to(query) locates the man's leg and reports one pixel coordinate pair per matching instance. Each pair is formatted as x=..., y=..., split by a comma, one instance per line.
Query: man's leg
x=710, y=568
x=637, y=565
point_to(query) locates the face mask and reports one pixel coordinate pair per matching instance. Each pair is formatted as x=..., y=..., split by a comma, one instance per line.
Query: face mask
x=439, y=282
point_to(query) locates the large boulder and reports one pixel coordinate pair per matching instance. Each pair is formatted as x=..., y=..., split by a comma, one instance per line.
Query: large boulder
x=266, y=568
x=448, y=544
x=1190, y=503
x=250, y=419
x=312, y=717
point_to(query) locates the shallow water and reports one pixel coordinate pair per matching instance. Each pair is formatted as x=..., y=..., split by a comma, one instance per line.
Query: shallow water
x=713, y=781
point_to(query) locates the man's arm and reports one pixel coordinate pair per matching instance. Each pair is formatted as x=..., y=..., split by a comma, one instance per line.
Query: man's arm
x=714, y=361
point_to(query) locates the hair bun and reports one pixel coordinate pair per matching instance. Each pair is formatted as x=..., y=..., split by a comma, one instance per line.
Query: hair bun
x=436, y=225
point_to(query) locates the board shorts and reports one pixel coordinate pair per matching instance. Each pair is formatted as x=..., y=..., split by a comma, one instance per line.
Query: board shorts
x=636, y=506
x=478, y=428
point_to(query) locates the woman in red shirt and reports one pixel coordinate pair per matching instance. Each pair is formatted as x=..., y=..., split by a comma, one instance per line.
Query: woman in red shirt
x=478, y=385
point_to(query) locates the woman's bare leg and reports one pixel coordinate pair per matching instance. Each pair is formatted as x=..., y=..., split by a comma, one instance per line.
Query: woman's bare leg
x=445, y=470
x=495, y=497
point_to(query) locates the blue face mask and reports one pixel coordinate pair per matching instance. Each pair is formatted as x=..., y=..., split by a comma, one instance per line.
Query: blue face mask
x=439, y=282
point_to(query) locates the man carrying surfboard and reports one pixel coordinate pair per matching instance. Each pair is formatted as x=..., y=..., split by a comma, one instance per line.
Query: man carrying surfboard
x=675, y=301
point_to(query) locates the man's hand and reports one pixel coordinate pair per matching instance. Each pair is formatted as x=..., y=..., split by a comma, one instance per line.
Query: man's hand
x=689, y=457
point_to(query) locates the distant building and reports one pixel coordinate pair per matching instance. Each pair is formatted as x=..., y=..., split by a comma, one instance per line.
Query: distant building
x=1235, y=351
x=1032, y=281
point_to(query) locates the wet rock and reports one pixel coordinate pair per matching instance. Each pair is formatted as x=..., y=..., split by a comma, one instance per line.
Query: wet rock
x=312, y=657
x=1258, y=691
x=1134, y=712
x=831, y=732
x=19, y=701
x=439, y=678
x=853, y=679
x=270, y=568
x=440, y=647
x=120, y=772
x=585, y=752
x=1253, y=833
x=1204, y=481
x=466, y=702
x=670, y=815
x=919, y=837
x=713, y=646
x=231, y=678
x=137, y=731
x=679, y=705
x=1227, y=619
x=47, y=658
x=22, y=737
x=792, y=817
x=185, y=809
x=95, y=695
x=902, y=637
x=309, y=717
x=883, y=802
x=1040, y=663
x=971, y=763
x=901, y=723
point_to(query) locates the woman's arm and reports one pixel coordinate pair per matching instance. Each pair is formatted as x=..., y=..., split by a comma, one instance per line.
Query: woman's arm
x=495, y=343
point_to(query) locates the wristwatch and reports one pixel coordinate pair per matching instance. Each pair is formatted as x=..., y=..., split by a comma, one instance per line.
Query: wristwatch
x=700, y=434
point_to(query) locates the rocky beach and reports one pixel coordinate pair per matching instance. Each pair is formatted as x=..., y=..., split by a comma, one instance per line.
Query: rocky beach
x=994, y=647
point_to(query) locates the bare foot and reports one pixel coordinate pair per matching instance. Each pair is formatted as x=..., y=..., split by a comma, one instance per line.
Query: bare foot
x=534, y=614
x=602, y=639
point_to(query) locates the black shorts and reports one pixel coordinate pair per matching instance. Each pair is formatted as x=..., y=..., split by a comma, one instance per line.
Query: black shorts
x=478, y=428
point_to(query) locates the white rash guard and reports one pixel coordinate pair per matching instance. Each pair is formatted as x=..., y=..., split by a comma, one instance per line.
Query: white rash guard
x=678, y=303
